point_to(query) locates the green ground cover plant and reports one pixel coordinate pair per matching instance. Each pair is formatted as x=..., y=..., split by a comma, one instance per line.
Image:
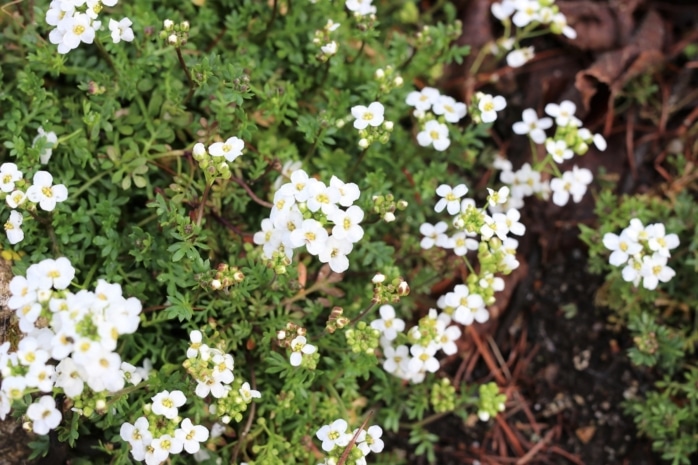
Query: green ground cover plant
x=222, y=217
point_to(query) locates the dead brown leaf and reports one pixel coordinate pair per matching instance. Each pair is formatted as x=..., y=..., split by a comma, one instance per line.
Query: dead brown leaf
x=585, y=433
x=601, y=26
x=615, y=68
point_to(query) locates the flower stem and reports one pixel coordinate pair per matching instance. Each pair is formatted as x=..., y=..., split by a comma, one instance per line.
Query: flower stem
x=183, y=64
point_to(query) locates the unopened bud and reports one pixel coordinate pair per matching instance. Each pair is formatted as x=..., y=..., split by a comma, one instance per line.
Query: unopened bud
x=184, y=26
x=398, y=81
x=281, y=335
x=380, y=73
x=402, y=204
x=403, y=288
x=216, y=284
x=388, y=125
x=378, y=278
x=168, y=24
x=238, y=276
x=363, y=143
x=389, y=217
x=172, y=39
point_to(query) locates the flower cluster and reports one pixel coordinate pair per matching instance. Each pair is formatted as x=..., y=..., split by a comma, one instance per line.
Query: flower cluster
x=303, y=211
x=162, y=432
x=527, y=15
x=644, y=250
x=293, y=337
x=336, y=437
x=496, y=246
x=212, y=369
x=42, y=191
x=371, y=123
x=491, y=402
x=322, y=39
x=79, y=331
x=570, y=139
x=412, y=355
x=532, y=12
x=76, y=22
x=522, y=183
x=215, y=160
x=433, y=110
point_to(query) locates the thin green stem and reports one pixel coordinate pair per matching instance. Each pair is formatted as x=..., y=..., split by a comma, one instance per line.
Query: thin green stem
x=474, y=68
x=68, y=136
x=183, y=64
x=87, y=185
x=202, y=206
x=363, y=313
x=105, y=55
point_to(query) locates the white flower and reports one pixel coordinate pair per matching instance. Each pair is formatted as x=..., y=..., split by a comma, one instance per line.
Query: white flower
x=329, y=49
x=195, y=337
x=388, y=324
x=450, y=198
x=138, y=436
x=423, y=358
x=558, y=150
x=453, y=111
x=526, y=12
x=160, y=448
x=563, y=113
x=121, y=30
x=44, y=415
x=659, y=241
x=360, y=7
x=51, y=273
x=365, y=116
x=623, y=247
x=13, y=227
x=166, y=403
x=230, y=149
x=331, y=26
x=300, y=346
x=9, y=175
x=223, y=368
x=191, y=435
x=333, y=435
x=572, y=183
x=335, y=253
x=373, y=439
x=654, y=269
x=424, y=99
x=503, y=9
x=50, y=142
x=396, y=359
x=44, y=193
x=70, y=377
x=559, y=26
x=433, y=234
x=348, y=192
x=74, y=30
x=248, y=393
x=498, y=197
x=489, y=106
x=311, y=234
x=461, y=243
x=436, y=134
x=518, y=58
x=531, y=125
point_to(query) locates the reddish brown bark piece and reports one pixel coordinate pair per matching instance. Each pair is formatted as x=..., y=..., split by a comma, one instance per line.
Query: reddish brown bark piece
x=617, y=67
